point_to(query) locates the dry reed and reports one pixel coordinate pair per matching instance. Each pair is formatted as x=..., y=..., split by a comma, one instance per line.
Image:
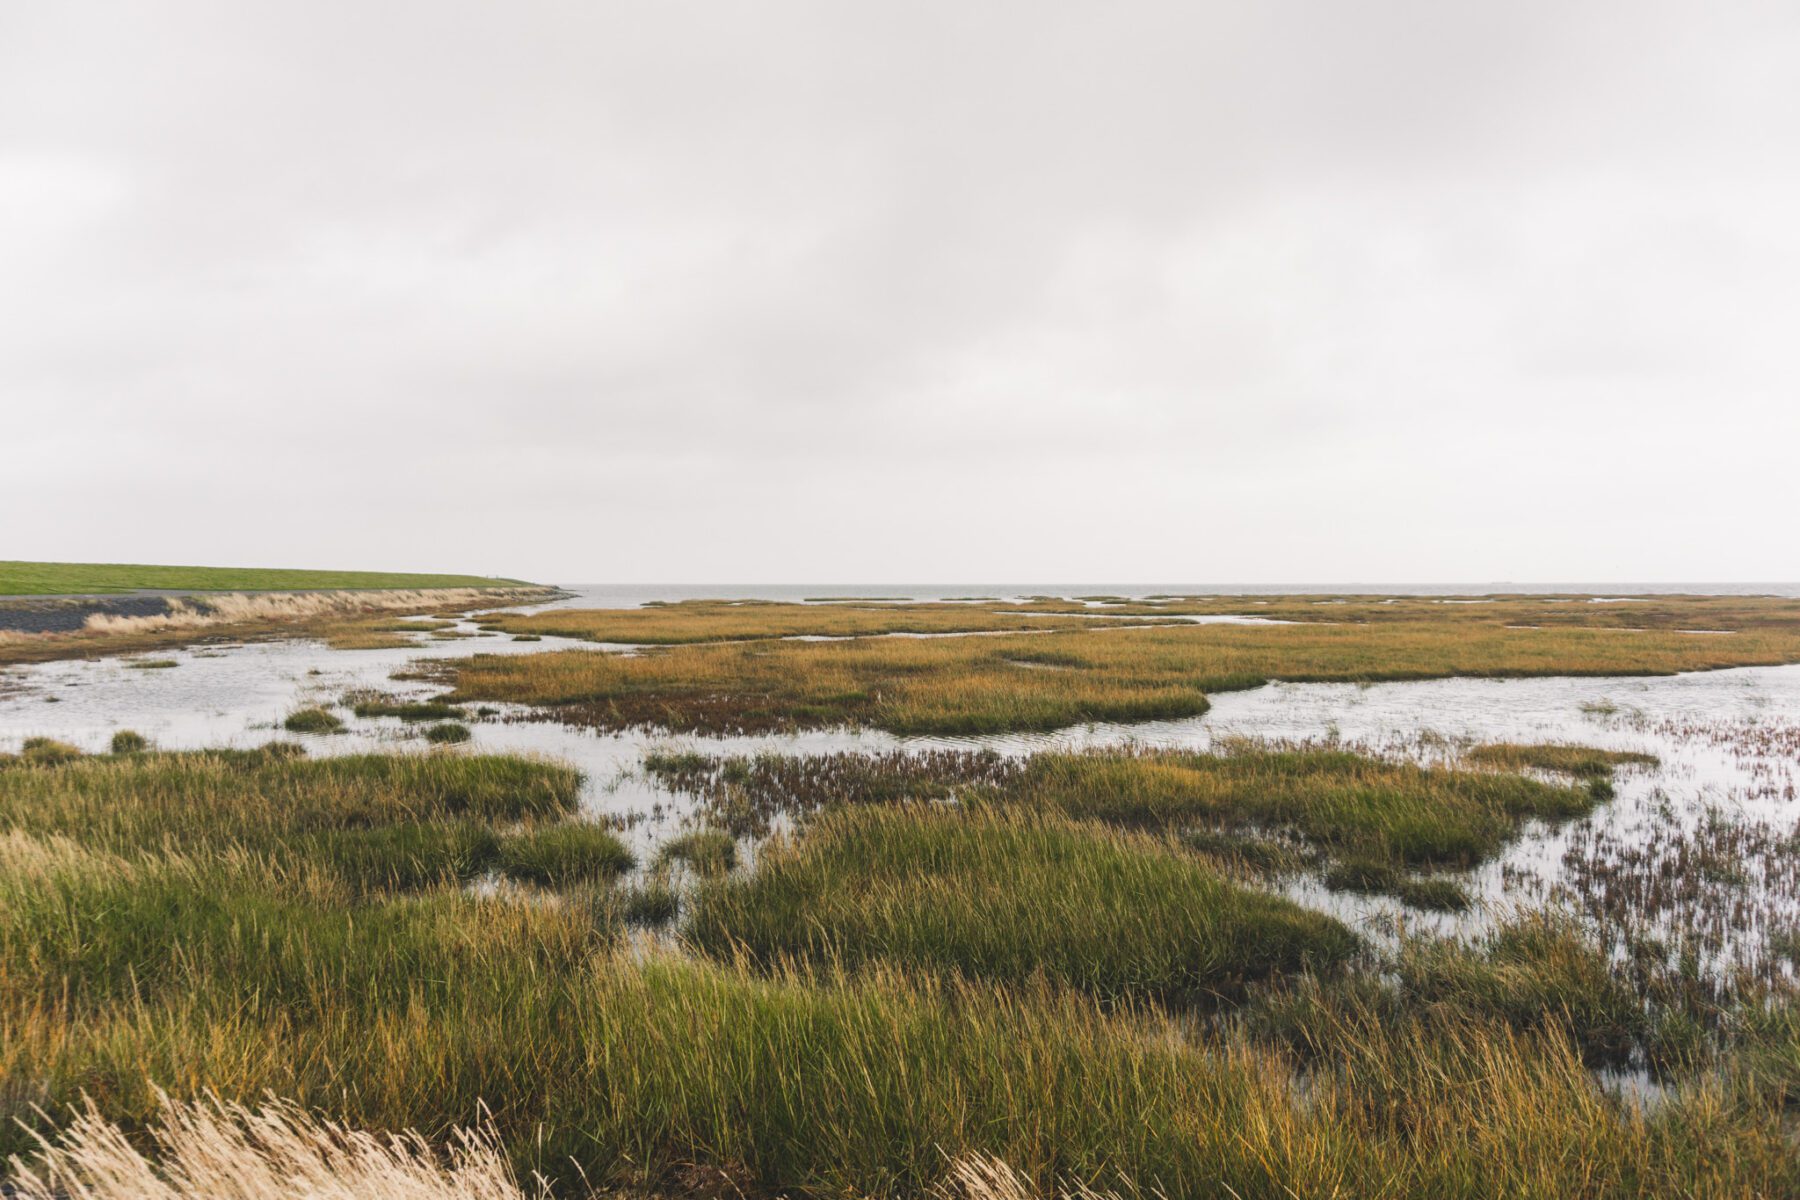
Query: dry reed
x=212, y=1149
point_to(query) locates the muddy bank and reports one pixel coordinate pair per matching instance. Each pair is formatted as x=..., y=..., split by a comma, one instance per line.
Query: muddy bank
x=39, y=627
x=58, y=614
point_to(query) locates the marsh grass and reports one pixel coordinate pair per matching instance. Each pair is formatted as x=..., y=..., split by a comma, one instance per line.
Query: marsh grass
x=1530, y=972
x=1256, y=852
x=313, y=720
x=371, y=704
x=129, y=741
x=47, y=752
x=691, y=621
x=652, y=903
x=377, y=632
x=1350, y=805
x=361, y=819
x=654, y=1072
x=1273, y=808
x=1528, y=613
x=746, y=795
x=962, y=685
x=893, y=684
x=216, y=1150
x=365, y=639
x=162, y=914
x=1434, y=894
x=152, y=664
x=1006, y=895
x=448, y=733
x=706, y=851
x=1584, y=762
x=204, y=921
x=1535, y=972
x=562, y=855
x=209, y=1149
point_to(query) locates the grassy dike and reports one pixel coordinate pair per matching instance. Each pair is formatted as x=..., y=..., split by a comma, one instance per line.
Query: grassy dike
x=51, y=579
x=896, y=990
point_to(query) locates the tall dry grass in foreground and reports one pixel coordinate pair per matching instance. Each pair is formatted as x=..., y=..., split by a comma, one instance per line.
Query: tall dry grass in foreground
x=211, y=1149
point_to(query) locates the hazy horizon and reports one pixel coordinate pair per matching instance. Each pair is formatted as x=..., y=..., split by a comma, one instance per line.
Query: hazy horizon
x=925, y=588
x=1278, y=292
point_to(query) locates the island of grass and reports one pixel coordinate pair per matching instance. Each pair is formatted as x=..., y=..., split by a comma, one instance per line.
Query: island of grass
x=1583, y=762
x=1366, y=824
x=53, y=579
x=692, y=621
x=1008, y=895
x=1053, y=669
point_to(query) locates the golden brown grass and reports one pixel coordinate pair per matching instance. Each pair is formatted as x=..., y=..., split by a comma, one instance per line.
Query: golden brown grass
x=1557, y=758
x=211, y=1149
x=871, y=1085
x=187, y=922
x=988, y=684
x=1690, y=612
x=725, y=621
x=366, y=639
x=1346, y=804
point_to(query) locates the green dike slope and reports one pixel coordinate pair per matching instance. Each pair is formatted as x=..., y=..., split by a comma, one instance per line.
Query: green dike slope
x=49, y=579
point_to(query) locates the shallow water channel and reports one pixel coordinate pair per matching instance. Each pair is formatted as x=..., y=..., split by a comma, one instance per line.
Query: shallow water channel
x=1724, y=792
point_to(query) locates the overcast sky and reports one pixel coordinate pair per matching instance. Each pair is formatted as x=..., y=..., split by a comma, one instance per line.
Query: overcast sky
x=760, y=292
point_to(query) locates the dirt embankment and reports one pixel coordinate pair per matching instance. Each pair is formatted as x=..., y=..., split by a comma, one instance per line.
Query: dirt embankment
x=36, y=628
x=59, y=614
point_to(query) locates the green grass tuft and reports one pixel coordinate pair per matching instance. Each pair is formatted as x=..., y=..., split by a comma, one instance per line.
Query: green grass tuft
x=708, y=851
x=652, y=904
x=406, y=710
x=560, y=855
x=1583, y=762
x=1006, y=895
x=47, y=752
x=313, y=720
x=1353, y=806
x=129, y=741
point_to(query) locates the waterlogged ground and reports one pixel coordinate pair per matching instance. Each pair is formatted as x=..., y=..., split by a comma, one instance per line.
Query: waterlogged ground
x=1700, y=850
